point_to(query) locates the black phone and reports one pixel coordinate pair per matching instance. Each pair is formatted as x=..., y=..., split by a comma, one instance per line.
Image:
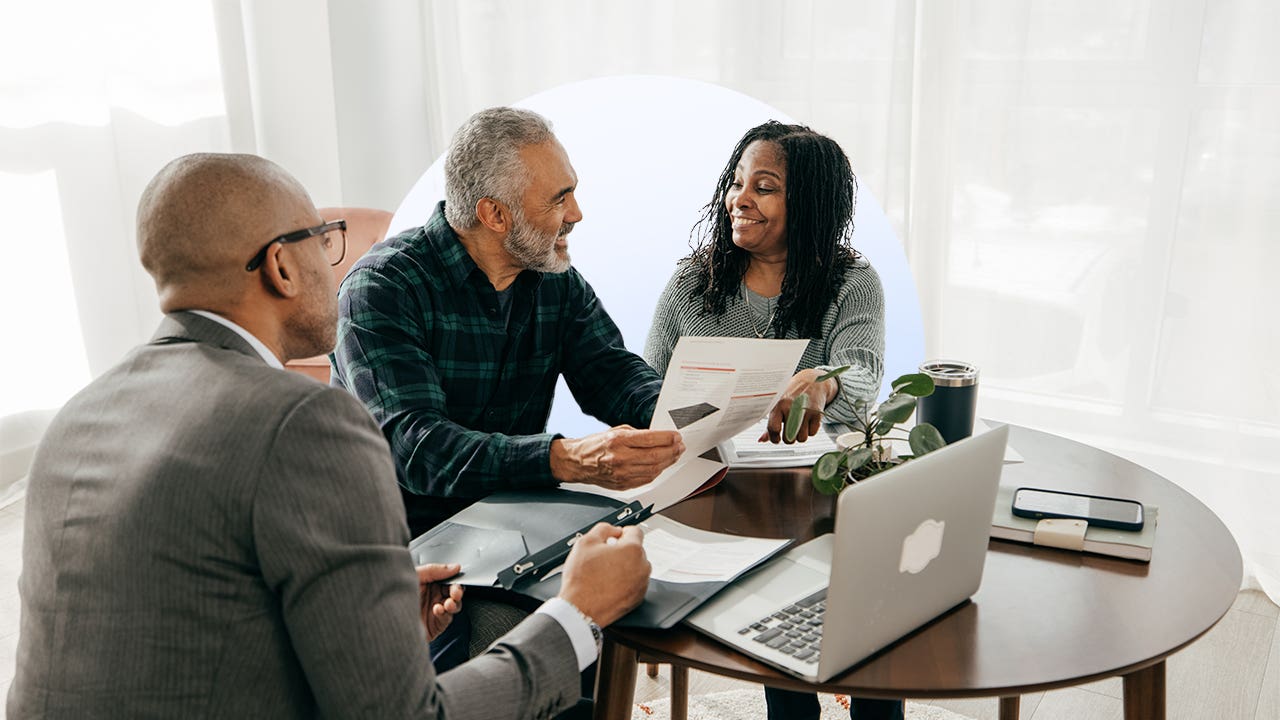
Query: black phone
x=1105, y=512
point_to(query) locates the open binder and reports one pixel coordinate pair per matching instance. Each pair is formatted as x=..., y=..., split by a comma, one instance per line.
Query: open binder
x=509, y=528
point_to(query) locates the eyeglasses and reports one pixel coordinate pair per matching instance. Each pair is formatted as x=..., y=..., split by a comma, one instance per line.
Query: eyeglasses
x=334, y=250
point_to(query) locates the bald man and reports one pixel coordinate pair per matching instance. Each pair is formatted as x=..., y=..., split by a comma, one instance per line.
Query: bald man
x=208, y=535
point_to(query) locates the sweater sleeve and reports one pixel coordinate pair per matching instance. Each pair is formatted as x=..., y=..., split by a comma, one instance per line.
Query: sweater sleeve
x=664, y=331
x=856, y=338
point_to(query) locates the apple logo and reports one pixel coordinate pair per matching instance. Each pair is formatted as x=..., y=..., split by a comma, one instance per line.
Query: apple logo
x=922, y=546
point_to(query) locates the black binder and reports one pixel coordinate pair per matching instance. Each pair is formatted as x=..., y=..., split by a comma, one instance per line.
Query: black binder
x=508, y=527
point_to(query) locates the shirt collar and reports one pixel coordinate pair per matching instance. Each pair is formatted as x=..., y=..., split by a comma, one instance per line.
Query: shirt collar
x=268, y=356
x=458, y=263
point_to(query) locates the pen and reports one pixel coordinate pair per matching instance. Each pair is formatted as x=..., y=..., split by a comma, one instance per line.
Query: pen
x=536, y=565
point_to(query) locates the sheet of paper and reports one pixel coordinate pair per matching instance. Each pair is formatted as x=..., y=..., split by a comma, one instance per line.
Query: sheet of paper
x=717, y=387
x=714, y=389
x=670, y=487
x=681, y=554
x=745, y=449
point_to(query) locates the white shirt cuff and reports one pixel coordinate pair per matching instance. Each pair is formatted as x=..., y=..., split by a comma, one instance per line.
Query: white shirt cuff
x=575, y=626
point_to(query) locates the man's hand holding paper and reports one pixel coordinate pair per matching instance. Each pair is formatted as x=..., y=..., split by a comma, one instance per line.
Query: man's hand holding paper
x=620, y=458
x=714, y=388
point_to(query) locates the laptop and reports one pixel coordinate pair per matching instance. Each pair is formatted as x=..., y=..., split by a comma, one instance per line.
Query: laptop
x=910, y=544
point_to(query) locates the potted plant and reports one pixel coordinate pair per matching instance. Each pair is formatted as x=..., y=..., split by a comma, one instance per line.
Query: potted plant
x=874, y=428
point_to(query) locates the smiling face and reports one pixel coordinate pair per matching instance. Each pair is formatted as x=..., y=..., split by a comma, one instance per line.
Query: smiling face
x=757, y=200
x=538, y=239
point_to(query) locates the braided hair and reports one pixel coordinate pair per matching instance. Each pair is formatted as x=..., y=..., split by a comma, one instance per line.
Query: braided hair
x=821, y=201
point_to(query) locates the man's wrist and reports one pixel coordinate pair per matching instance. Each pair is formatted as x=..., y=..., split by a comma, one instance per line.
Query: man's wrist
x=584, y=634
x=560, y=461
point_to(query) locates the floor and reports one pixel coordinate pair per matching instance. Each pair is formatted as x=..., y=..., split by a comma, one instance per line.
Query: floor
x=1233, y=672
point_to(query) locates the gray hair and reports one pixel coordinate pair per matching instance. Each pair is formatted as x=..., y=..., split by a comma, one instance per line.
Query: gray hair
x=484, y=161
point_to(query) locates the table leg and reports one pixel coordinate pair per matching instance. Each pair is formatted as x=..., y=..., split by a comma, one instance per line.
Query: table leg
x=1144, y=693
x=679, y=692
x=1009, y=707
x=615, y=682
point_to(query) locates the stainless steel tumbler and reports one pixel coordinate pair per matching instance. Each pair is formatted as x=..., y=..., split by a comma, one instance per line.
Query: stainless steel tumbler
x=954, y=401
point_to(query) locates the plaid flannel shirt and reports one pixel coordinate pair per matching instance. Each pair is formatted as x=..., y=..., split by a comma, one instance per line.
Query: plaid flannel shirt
x=461, y=396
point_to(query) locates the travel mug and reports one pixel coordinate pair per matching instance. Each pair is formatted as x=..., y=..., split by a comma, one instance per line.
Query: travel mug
x=954, y=401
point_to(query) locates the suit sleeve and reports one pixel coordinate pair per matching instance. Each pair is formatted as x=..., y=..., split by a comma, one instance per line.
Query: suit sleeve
x=330, y=536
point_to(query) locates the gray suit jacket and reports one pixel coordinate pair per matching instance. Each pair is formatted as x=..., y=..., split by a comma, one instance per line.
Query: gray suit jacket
x=207, y=536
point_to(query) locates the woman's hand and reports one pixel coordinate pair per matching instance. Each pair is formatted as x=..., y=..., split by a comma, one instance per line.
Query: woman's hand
x=820, y=394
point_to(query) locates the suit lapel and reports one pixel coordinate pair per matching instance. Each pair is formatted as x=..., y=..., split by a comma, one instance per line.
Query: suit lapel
x=182, y=327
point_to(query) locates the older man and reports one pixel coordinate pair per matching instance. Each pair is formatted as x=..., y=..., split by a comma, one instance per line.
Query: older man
x=453, y=335
x=208, y=535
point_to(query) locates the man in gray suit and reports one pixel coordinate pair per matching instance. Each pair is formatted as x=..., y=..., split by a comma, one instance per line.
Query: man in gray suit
x=209, y=535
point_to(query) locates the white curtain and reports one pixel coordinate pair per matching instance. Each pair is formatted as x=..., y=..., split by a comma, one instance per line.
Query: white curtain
x=94, y=98
x=1084, y=189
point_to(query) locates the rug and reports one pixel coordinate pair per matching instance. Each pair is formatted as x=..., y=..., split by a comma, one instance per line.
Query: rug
x=748, y=704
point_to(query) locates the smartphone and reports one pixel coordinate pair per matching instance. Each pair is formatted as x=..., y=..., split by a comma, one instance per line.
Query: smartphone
x=1100, y=511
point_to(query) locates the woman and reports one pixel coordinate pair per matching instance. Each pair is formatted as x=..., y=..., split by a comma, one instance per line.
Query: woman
x=773, y=259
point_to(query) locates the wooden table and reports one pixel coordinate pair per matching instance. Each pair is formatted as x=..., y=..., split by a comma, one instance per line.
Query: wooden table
x=1043, y=618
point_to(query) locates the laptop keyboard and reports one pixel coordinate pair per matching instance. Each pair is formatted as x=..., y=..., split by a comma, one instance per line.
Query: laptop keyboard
x=795, y=630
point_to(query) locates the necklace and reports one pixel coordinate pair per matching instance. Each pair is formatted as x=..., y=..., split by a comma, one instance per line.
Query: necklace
x=751, y=315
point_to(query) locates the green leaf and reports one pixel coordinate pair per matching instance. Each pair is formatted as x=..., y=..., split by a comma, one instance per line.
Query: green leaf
x=828, y=486
x=828, y=473
x=897, y=408
x=916, y=384
x=828, y=466
x=832, y=373
x=858, y=458
x=795, y=417
x=924, y=438
x=883, y=428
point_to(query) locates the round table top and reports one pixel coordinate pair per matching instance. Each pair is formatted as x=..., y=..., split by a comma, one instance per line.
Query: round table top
x=1043, y=618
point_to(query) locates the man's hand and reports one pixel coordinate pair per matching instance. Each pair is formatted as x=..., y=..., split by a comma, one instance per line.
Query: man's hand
x=439, y=602
x=606, y=573
x=820, y=393
x=619, y=458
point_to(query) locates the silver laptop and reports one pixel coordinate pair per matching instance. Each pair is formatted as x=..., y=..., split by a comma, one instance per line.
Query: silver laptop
x=910, y=544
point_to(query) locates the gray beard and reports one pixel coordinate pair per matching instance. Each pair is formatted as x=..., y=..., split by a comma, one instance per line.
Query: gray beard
x=532, y=249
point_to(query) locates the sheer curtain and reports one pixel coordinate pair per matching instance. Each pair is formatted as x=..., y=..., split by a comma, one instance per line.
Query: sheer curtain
x=1084, y=189
x=94, y=98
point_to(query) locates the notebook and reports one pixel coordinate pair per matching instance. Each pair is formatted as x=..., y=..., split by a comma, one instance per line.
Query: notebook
x=909, y=545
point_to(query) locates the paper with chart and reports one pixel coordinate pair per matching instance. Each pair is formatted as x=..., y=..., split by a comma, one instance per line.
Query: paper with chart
x=714, y=389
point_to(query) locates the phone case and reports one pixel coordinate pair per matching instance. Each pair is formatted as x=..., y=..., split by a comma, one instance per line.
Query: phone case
x=1095, y=521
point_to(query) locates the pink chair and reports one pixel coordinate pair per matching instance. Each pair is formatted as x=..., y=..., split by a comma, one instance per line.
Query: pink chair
x=365, y=227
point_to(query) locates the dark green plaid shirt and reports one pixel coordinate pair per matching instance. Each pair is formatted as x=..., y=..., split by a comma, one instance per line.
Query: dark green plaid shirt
x=462, y=395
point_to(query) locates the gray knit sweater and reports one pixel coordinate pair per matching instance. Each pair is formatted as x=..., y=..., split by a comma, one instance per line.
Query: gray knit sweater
x=852, y=332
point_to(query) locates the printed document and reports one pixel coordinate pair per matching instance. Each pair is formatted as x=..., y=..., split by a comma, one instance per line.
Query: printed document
x=683, y=554
x=746, y=450
x=714, y=389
